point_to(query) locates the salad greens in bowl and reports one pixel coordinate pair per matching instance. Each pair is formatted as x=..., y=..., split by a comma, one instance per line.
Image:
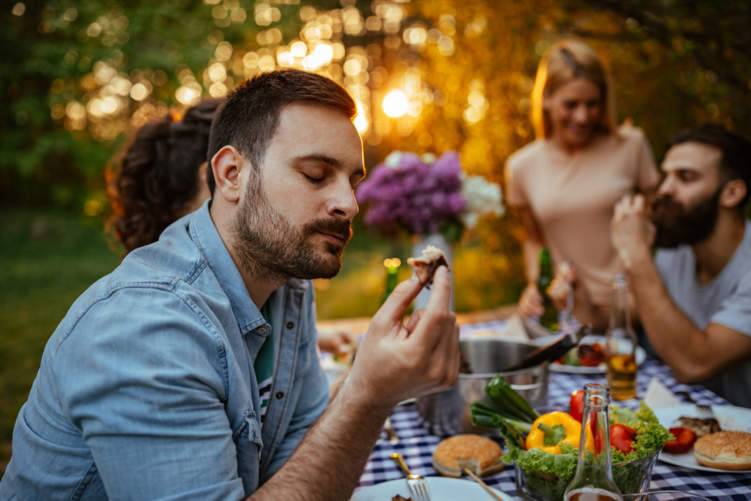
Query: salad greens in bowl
x=542, y=445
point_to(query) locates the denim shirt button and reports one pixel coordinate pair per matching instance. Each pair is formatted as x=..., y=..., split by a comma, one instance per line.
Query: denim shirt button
x=290, y=325
x=279, y=395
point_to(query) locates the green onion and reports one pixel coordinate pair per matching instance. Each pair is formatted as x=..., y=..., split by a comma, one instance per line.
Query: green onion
x=508, y=402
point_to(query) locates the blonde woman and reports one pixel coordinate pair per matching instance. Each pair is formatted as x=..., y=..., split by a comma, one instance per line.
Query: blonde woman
x=565, y=184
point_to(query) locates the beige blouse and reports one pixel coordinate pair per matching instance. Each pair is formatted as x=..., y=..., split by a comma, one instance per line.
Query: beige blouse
x=572, y=198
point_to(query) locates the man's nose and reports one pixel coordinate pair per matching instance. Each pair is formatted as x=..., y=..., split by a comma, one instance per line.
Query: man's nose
x=666, y=187
x=343, y=203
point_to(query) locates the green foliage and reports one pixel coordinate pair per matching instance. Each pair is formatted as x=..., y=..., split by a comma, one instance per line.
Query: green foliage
x=47, y=56
x=48, y=260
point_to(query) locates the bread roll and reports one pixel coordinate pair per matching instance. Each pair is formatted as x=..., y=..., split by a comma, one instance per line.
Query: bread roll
x=479, y=454
x=725, y=450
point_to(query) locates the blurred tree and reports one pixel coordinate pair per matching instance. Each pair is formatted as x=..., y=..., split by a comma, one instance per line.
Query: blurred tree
x=427, y=76
x=681, y=62
x=78, y=74
x=674, y=64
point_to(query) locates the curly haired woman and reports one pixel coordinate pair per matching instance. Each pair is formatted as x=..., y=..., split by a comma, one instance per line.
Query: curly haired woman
x=160, y=176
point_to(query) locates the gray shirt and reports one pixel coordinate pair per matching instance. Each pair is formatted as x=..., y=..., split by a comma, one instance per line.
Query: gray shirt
x=726, y=300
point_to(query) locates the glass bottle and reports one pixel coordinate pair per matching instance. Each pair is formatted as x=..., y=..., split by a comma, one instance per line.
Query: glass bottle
x=549, y=318
x=391, y=265
x=593, y=480
x=620, y=344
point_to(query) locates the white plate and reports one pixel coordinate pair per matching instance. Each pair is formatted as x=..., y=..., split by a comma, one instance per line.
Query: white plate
x=641, y=355
x=441, y=489
x=730, y=418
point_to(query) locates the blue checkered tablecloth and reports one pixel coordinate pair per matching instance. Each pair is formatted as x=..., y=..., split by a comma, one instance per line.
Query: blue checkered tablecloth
x=416, y=443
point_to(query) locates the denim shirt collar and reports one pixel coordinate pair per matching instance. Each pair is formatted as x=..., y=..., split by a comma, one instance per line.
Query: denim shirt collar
x=206, y=236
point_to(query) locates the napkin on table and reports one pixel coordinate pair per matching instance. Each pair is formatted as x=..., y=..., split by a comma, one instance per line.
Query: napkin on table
x=658, y=395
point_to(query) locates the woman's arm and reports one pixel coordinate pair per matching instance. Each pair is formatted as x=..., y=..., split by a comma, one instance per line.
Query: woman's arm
x=530, y=302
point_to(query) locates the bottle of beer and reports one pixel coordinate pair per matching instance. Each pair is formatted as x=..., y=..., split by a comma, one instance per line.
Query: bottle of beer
x=620, y=344
x=391, y=266
x=549, y=318
x=593, y=480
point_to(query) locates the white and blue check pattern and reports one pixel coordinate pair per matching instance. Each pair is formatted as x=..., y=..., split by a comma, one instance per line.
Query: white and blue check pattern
x=416, y=443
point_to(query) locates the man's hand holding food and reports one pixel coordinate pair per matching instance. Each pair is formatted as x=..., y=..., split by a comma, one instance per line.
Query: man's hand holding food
x=401, y=359
x=632, y=232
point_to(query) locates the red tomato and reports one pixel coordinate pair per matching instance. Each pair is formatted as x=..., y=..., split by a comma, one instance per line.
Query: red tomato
x=684, y=440
x=622, y=437
x=596, y=435
x=591, y=355
x=576, y=405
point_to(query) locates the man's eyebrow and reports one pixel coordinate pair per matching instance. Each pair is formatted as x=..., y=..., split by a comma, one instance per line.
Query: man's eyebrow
x=333, y=162
x=317, y=157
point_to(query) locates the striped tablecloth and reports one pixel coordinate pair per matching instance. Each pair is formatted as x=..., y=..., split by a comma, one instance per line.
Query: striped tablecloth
x=416, y=443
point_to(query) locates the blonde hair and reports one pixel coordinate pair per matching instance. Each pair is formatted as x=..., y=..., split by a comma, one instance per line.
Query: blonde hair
x=565, y=61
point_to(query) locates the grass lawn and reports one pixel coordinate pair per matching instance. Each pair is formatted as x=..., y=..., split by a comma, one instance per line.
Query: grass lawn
x=49, y=258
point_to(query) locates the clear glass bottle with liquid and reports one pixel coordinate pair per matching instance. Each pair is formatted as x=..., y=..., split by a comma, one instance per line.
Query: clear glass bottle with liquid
x=620, y=344
x=593, y=480
x=549, y=318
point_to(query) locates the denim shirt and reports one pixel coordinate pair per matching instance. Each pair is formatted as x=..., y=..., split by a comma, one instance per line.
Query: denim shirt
x=146, y=389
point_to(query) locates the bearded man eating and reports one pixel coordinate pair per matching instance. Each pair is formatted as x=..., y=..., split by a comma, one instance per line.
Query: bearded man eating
x=694, y=298
x=191, y=372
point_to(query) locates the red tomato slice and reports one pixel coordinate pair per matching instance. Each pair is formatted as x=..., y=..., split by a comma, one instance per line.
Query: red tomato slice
x=684, y=440
x=622, y=437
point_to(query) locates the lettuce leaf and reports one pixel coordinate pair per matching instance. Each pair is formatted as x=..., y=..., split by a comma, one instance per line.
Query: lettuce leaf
x=650, y=436
x=547, y=475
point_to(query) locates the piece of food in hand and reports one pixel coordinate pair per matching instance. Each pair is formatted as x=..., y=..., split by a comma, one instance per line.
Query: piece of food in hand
x=426, y=264
x=700, y=426
x=725, y=450
x=576, y=405
x=479, y=454
x=684, y=440
x=622, y=437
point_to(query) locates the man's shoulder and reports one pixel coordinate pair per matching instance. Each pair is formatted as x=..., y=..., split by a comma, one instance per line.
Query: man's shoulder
x=162, y=277
x=121, y=304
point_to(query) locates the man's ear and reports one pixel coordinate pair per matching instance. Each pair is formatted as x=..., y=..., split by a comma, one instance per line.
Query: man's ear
x=733, y=192
x=226, y=165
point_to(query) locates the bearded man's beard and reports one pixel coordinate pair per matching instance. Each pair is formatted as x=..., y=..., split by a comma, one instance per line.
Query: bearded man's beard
x=677, y=225
x=267, y=243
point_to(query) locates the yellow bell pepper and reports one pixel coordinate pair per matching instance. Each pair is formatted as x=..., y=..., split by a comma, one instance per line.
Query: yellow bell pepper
x=551, y=430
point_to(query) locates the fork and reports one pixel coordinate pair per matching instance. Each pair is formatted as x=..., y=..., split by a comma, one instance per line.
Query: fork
x=418, y=487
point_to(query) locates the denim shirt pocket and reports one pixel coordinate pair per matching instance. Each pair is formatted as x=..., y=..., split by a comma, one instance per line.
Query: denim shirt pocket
x=249, y=445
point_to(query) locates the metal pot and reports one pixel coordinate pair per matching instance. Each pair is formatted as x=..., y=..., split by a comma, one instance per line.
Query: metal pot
x=448, y=412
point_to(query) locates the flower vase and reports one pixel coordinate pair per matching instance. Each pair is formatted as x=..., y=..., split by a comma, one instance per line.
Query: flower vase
x=436, y=240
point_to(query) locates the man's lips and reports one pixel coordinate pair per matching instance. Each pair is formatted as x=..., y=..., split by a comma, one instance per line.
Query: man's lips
x=336, y=237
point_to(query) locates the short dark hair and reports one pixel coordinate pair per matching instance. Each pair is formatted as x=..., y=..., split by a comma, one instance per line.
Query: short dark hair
x=250, y=116
x=736, y=152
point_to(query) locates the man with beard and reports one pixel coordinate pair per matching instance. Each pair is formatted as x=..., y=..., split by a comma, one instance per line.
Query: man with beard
x=694, y=299
x=190, y=372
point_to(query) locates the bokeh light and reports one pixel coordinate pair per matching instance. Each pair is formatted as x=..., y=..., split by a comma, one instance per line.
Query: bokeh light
x=395, y=103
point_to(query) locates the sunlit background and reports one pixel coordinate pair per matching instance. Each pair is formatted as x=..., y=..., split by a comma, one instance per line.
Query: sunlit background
x=78, y=77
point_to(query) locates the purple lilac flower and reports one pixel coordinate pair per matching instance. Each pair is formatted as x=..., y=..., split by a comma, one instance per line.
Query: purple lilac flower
x=411, y=195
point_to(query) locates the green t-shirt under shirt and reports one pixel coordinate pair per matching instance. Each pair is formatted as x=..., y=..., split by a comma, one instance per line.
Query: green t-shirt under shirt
x=264, y=366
